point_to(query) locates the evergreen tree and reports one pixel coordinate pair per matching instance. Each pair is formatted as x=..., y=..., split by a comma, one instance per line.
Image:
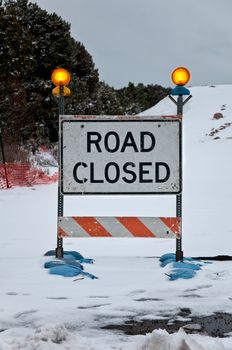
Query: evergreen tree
x=135, y=99
x=33, y=43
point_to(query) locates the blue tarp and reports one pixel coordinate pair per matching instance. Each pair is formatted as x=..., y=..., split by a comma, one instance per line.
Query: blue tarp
x=181, y=273
x=71, y=254
x=186, y=269
x=54, y=263
x=69, y=266
x=69, y=271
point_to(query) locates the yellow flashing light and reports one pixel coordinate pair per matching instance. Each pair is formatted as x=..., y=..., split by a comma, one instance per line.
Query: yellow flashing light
x=180, y=76
x=60, y=76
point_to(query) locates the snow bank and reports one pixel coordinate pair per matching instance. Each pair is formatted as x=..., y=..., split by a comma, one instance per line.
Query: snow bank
x=50, y=336
x=56, y=336
x=161, y=340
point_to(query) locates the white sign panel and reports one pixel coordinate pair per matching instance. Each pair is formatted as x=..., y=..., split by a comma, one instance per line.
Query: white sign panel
x=120, y=155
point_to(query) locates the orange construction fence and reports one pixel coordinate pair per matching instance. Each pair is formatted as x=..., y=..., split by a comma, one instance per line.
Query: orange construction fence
x=24, y=175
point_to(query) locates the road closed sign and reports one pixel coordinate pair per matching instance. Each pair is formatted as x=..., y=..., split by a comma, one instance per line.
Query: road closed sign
x=120, y=155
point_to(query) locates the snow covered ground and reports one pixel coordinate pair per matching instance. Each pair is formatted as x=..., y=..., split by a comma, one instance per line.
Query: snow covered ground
x=40, y=311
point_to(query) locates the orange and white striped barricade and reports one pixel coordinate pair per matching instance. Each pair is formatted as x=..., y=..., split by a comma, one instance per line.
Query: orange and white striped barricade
x=144, y=227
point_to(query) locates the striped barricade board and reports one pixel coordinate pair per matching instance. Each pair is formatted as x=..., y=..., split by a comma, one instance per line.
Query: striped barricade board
x=145, y=227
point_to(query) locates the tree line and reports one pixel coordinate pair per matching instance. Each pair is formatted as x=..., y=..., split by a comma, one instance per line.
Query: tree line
x=32, y=44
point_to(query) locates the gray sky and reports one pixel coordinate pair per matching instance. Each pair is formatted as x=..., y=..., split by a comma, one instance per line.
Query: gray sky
x=144, y=40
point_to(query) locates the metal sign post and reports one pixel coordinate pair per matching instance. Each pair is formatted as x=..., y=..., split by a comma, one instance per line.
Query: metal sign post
x=60, y=77
x=179, y=91
x=60, y=209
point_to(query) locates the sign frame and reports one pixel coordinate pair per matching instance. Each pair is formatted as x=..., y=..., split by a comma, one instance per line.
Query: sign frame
x=121, y=119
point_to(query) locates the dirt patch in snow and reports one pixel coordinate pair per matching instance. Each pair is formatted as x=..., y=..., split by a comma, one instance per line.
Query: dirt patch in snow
x=215, y=325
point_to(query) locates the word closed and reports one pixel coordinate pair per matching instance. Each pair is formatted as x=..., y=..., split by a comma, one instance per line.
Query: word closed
x=120, y=156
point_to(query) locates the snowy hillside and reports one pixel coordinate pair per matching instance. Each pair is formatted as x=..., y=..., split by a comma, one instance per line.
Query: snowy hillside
x=40, y=311
x=199, y=112
x=207, y=168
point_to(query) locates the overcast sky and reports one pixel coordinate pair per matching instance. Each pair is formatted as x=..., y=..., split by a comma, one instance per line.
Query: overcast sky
x=144, y=40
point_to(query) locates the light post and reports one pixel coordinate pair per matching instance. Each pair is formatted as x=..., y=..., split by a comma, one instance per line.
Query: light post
x=180, y=77
x=60, y=77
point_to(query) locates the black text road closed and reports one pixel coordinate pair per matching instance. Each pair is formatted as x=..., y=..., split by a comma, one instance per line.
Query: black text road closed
x=120, y=156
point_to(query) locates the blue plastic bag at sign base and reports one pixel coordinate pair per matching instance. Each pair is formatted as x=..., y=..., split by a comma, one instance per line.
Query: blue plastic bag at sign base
x=171, y=257
x=73, y=263
x=166, y=262
x=50, y=253
x=185, y=269
x=78, y=256
x=54, y=263
x=181, y=273
x=75, y=254
x=69, y=257
x=69, y=271
x=71, y=254
x=65, y=270
x=167, y=256
x=186, y=265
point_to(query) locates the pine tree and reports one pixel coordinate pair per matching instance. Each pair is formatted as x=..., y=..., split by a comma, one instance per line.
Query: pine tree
x=135, y=99
x=33, y=43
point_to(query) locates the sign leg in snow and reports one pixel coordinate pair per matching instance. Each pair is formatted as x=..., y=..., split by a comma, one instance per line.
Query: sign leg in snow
x=60, y=77
x=60, y=209
x=179, y=91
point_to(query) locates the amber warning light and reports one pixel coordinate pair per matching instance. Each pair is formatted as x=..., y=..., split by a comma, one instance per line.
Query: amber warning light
x=60, y=77
x=180, y=76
